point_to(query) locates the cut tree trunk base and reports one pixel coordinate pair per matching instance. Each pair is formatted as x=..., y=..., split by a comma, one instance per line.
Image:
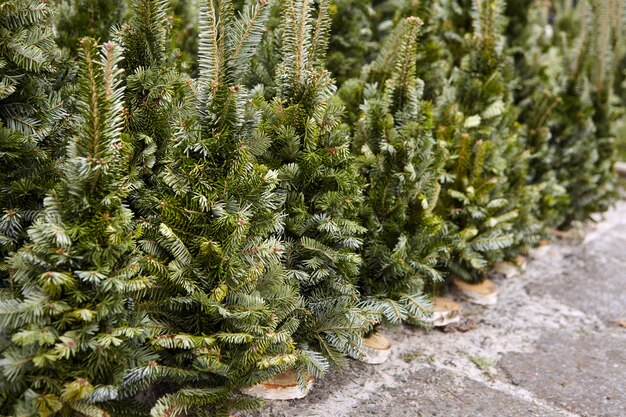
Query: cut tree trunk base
x=510, y=269
x=376, y=349
x=573, y=234
x=281, y=387
x=620, y=168
x=484, y=294
x=507, y=269
x=445, y=311
x=541, y=250
x=521, y=263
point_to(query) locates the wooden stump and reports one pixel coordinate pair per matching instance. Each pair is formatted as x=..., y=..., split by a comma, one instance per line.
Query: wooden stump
x=445, y=311
x=281, y=387
x=506, y=269
x=541, y=250
x=376, y=349
x=484, y=293
x=521, y=263
x=620, y=168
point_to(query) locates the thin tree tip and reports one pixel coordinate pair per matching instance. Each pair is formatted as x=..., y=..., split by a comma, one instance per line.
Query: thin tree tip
x=109, y=46
x=86, y=42
x=414, y=20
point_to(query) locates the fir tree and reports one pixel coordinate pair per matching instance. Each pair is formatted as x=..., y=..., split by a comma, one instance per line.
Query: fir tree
x=211, y=218
x=311, y=151
x=401, y=165
x=582, y=136
x=566, y=102
x=539, y=66
x=525, y=196
x=532, y=196
x=441, y=41
x=28, y=58
x=474, y=119
x=72, y=329
x=351, y=44
x=608, y=49
x=31, y=117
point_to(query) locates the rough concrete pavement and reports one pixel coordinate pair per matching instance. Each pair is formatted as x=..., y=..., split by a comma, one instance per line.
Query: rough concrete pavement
x=552, y=346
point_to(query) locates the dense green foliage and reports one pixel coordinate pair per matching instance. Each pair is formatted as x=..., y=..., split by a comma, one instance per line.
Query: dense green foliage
x=538, y=96
x=474, y=120
x=73, y=332
x=353, y=39
x=401, y=165
x=584, y=133
x=32, y=118
x=93, y=18
x=227, y=190
x=210, y=218
x=310, y=150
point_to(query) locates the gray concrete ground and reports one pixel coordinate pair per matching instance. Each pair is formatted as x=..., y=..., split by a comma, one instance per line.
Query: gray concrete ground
x=553, y=346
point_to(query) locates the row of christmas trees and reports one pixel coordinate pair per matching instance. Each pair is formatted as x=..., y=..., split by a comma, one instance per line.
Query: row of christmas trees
x=196, y=206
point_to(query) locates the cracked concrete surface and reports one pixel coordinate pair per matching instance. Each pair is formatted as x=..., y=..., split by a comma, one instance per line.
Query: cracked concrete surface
x=551, y=347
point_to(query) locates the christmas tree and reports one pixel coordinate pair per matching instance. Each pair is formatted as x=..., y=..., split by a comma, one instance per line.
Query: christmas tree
x=441, y=41
x=607, y=52
x=31, y=118
x=581, y=135
x=210, y=223
x=203, y=208
x=401, y=166
x=73, y=330
x=528, y=195
x=538, y=63
x=310, y=149
x=472, y=116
